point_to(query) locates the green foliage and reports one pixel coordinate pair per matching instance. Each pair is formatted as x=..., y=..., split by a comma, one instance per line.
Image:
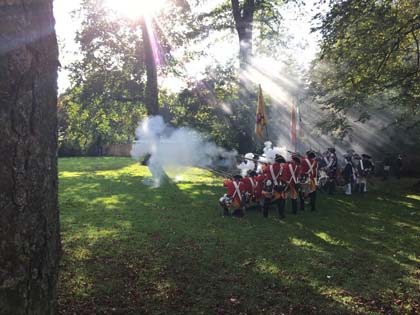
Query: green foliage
x=105, y=101
x=107, y=97
x=206, y=106
x=370, y=59
x=131, y=249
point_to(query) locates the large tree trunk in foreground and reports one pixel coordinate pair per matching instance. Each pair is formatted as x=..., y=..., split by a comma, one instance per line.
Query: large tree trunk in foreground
x=29, y=224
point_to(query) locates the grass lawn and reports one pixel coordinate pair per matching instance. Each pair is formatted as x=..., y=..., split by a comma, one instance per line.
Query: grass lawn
x=132, y=249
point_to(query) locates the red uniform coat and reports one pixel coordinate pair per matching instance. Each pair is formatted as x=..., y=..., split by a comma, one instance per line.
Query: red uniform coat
x=310, y=167
x=233, y=193
x=290, y=174
x=253, y=185
x=273, y=172
x=258, y=189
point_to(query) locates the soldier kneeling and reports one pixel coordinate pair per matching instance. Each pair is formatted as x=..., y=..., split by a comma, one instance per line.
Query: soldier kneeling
x=234, y=198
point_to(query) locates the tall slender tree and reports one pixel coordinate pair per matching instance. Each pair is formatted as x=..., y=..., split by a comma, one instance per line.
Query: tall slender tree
x=247, y=18
x=29, y=221
x=152, y=90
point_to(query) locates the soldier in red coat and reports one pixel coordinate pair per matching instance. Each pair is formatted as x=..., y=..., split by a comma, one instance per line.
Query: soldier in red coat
x=307, y=179
x=290, y=175
x=273, y=186
x=253, y=186
x=234, y=198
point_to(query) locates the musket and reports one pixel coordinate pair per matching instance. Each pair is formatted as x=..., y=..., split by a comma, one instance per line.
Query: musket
x=221, y=173
x=248, y=159
x=296, y=153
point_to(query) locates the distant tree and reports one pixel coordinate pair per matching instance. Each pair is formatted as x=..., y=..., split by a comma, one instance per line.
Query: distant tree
x=29, y=221
x=370, y=60
x=253, y=21
x=114, y=84
x=203, y=105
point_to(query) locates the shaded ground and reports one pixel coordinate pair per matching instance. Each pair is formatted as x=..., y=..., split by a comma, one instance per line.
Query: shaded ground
x=131, y=249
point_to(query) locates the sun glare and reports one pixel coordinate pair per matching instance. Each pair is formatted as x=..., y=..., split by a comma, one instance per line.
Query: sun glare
x=134, y=9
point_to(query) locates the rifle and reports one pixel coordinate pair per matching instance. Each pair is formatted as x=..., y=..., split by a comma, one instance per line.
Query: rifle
x=295, y=153
x=218, y=172
x=248, y=159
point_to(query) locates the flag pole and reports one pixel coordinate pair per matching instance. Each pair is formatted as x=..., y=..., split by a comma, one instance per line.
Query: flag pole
x=266, y=131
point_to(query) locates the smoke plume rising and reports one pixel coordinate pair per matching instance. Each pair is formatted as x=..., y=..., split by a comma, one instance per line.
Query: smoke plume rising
x=176, y=147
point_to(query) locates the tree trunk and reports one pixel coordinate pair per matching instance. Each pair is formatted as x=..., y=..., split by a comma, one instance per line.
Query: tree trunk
x=244, y=18
x=29, y=221
x=152, y=98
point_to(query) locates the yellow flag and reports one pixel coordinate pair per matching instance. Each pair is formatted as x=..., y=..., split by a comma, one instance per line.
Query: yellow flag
x=260, y=120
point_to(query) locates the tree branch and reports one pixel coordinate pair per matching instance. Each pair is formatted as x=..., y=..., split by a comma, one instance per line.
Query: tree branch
x=418, y=50
x=236, y=10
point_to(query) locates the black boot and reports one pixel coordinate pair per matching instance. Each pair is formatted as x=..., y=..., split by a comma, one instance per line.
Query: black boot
x=266, y=204
x=225, y=212
x=294, y=206
x=302, y=201
x=313, y=200
x=331, y=187
x=281, y=203
x=239, y=213
x=362, y=188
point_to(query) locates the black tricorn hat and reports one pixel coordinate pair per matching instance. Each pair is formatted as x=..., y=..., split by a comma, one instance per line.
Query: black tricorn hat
x=280, y=158
x=332, y=150
x=296, y=158
x=252, y=173
x=310, y=154
x=237, y=177
x=366, y=156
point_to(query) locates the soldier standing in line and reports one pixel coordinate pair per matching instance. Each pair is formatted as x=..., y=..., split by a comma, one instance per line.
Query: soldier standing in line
x=348, y=174
x=308, y=175
x=331, y=170
x=364, y=169
x=290, y=175
x=398, y=166
x=387, y=166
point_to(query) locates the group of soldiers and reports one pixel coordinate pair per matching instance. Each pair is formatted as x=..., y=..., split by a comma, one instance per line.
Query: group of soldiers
x=270, y=179
x=356, y=172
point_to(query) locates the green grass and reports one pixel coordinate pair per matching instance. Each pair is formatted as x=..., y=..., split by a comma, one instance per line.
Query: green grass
x=132, y=249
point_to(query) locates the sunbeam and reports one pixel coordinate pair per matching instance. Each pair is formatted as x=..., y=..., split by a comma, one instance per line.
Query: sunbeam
x=133, y=9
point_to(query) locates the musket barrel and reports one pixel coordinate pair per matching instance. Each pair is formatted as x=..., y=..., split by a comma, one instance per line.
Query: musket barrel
x=218, y=172
x=248, y=159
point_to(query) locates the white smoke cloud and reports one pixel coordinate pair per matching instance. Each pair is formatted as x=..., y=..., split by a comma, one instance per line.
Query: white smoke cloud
x=176, y=147
x=247, y=165
x=270, y=152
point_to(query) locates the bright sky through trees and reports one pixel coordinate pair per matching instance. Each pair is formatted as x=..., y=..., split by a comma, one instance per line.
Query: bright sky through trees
x=133, y=9
x=298, y=21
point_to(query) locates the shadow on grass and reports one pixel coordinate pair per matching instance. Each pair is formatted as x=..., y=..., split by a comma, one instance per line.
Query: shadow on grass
x=131, y=249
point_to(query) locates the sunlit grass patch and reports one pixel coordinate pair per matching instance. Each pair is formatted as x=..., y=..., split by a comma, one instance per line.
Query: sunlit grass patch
x=415, y=197
x=129, y=248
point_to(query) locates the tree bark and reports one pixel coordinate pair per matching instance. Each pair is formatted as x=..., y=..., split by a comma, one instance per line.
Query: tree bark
x=152, y=98
x=244, y=19
x=29, y=221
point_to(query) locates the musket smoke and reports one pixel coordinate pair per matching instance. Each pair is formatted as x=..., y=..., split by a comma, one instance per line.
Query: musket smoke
x=175, y=147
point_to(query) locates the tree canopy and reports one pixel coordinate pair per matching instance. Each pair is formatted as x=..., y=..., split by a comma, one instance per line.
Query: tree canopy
x=369, y=60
